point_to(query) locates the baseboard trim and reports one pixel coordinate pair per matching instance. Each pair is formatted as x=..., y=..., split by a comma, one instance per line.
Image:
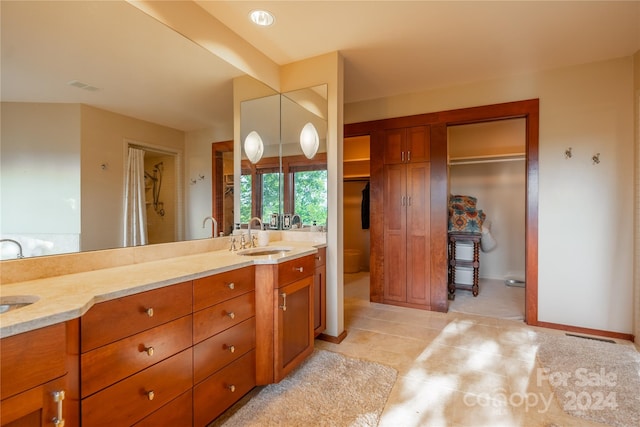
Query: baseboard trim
x=598, y=332
x=332, y=339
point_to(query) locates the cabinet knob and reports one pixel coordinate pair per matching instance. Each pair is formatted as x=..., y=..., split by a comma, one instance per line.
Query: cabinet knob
x=318, y=258
x=299, y=269
x=150, y=395
x=232, y=388
x=149, y=311
x=231, y=285
x=231, y=348
x=231, y=315
x=149, y=351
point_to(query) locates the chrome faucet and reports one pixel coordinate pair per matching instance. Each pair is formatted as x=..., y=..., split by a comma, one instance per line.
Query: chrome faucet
x=293, y=220
x=255, y=218
x=17, y=244
x=214, y=223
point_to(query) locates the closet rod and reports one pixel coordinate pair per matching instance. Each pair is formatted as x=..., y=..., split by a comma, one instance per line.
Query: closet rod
x=486, y=159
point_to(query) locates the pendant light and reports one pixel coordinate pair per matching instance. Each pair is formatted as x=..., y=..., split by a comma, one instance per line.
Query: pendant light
x=253, y=146
x=309, y=140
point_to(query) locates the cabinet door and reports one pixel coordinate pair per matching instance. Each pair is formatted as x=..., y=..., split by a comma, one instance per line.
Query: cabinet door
x=410, y=145
x=319, y=300
x=395, y=224
x=418, y=234
x=37, y=406
x=417, y=146
x=394, y=146
x=294, y=325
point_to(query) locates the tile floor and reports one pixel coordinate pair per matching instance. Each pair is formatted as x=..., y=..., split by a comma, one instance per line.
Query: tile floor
x=453, y=369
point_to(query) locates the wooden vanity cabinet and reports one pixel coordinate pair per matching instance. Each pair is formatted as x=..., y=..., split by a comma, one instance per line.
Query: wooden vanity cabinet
x=34, y=377
x=224, y=340
x=284, y=317
x=320, y=293
x=136, y=356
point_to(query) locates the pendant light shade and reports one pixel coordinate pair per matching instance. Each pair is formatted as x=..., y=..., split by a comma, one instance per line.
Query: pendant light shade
x=253, y=146
x=309, y=140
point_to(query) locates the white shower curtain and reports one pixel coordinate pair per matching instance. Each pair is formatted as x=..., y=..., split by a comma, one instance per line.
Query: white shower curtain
x=135, y=212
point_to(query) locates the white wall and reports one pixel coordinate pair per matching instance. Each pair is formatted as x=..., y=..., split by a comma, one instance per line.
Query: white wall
x=198, y=196
x=500, y=190
x=585, y=251
x=40, y=181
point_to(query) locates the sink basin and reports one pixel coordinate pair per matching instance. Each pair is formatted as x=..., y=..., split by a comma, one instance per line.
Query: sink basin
x=269, y=250
x=14, y=302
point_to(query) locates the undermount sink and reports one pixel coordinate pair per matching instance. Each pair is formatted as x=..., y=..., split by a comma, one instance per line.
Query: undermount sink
x=14, y=302
x=272, y=250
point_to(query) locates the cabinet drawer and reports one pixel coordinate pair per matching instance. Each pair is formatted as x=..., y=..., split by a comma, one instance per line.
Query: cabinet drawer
x=110, y=321
x=221, y=287
x=212, y=320
x=223, y=348
x=295, y=269
x=221, y=390
x=320, y=257
x=178, y=412
x=32, y=358
x=130, y=400
x=130, y=355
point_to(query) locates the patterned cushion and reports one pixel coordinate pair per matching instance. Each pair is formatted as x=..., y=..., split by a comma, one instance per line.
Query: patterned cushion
x=463, y=215
x=469, y=220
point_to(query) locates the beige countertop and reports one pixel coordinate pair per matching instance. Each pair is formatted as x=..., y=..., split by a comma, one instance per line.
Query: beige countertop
x=69, y=296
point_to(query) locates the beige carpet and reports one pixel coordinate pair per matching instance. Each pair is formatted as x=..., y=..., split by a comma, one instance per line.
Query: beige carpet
x=328, y=389
x=494, y=299
x=595, y=380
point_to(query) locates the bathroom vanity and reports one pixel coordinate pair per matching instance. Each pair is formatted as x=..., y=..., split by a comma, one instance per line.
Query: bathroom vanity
x=175, y=341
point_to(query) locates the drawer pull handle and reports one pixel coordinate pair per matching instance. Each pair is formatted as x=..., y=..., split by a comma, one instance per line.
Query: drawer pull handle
x=318, y=258
x=149, y=351
x=284, y=301
x=231, y=315
x=150, y=395
x=58, y=397
x=149, y=311
x=231, y=348
x=299, y=269
x=232, y=388
x=232, y=286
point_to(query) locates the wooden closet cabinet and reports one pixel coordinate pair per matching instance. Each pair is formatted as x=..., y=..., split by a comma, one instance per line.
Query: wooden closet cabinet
x=406, y=217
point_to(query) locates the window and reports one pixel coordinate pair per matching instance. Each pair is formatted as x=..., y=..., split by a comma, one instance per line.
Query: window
x=310, y=196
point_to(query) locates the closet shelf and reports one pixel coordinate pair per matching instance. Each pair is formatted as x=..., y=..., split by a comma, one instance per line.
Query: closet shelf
x=495, y=158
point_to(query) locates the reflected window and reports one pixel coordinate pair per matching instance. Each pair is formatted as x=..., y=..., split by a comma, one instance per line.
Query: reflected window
x=270, y=195
x=245, y=197
x=310, y=196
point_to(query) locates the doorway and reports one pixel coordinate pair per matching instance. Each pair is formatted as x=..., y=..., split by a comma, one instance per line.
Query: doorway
x=486, y=162
x=439, y=123
x=162, y=192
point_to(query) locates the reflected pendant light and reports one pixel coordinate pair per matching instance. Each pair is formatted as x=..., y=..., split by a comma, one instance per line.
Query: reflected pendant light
x=253, y=146
x=309, y=140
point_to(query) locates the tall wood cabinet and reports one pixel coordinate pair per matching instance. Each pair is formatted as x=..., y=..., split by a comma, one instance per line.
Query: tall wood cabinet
x=406, y=216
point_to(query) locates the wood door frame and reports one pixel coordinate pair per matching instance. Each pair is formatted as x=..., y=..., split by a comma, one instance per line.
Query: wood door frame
x=439, y=121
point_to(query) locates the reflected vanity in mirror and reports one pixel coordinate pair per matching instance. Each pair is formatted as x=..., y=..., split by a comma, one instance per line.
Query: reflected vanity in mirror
x=287, y=185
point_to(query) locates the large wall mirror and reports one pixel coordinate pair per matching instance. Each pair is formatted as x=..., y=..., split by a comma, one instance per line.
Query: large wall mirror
x=75, y=94
x=283, y=139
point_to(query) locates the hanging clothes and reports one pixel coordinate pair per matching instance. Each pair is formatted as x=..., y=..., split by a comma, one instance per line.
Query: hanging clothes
x=365, y=207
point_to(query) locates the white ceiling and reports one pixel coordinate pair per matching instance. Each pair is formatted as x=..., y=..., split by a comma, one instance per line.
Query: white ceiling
x=146, y=70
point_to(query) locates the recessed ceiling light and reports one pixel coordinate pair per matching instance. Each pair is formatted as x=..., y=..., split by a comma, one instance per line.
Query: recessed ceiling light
x=262, y=18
